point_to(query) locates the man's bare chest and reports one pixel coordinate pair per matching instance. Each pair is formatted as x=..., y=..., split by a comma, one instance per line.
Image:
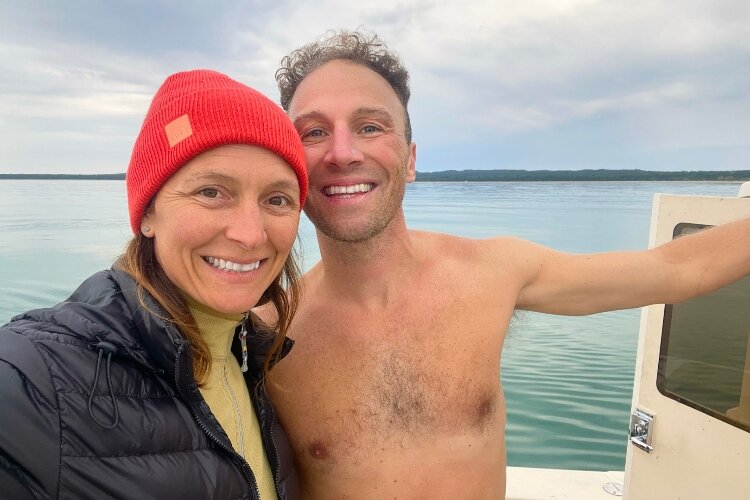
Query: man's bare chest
x=355, y=384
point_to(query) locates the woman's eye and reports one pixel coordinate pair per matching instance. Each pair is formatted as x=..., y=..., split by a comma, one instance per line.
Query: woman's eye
x=279, y=201
x=315, y=133
x=209, y=192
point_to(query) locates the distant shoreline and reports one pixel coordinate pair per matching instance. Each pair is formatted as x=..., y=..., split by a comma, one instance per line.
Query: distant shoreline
x=494, y=176
x=63, y=177
x=581, y=175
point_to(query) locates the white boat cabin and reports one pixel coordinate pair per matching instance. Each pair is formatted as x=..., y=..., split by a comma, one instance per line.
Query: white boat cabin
x=690, y=423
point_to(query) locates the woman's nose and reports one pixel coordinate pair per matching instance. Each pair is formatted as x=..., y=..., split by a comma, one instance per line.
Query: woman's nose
x=247, y=227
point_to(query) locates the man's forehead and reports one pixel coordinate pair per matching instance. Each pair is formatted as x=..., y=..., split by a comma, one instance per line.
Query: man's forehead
x=377, y=112
x=345, y=84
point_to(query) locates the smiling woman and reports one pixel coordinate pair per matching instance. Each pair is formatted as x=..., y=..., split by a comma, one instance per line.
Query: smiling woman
x=216, y=182
x=223, y=238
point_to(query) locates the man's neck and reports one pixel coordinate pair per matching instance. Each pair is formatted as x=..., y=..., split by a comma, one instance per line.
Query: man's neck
x=370, y=272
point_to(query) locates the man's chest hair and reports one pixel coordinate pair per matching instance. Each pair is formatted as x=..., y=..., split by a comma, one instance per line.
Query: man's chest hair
x=428, y=367
x=375, y=391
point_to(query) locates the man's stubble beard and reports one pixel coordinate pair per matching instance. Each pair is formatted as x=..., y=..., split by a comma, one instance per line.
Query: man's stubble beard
x=360, y=231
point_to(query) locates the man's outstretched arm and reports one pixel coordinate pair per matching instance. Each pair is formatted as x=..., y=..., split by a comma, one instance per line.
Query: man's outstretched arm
x=561, y=283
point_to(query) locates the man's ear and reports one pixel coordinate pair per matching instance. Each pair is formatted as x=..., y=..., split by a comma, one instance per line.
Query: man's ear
x=411, y=167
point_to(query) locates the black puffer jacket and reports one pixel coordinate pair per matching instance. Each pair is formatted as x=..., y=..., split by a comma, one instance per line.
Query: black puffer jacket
x=163, y=442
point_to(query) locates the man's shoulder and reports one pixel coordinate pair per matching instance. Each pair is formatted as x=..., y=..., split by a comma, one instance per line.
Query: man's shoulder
x=307, y=282
x=485, y=263
x=311, y=280
x=466, y=248
x=445, y=241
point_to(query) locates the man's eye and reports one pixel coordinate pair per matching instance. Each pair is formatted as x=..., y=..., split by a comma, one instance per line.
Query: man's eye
x=370, y=129
x=209, y=192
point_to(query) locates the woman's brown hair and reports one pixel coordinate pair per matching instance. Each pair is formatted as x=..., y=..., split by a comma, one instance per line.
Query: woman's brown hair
x=139, y=260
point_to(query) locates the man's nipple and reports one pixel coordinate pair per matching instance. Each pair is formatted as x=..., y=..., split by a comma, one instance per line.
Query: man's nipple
x=317, y=450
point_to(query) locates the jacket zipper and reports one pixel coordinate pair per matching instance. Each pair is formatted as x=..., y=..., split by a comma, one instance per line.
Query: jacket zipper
x=268, y=420
x=236, y=458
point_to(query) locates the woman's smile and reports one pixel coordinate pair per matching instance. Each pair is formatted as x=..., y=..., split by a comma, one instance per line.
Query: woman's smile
x=228, y=265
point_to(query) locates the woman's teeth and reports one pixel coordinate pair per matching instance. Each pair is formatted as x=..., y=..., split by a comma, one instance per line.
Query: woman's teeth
x=228, y=265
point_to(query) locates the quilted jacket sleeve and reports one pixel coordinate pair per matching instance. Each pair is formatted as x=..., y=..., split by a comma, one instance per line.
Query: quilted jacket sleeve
x=29, y=422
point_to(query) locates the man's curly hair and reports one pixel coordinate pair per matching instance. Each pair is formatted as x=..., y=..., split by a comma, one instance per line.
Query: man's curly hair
x=360, y=48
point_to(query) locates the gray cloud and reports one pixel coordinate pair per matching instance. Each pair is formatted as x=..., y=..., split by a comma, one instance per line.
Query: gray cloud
x=541, y=84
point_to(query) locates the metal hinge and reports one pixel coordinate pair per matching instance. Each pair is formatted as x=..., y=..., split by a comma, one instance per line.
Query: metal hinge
x=641, y=427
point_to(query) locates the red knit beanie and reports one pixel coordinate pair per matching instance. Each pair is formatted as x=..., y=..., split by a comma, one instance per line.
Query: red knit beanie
x=198, y=110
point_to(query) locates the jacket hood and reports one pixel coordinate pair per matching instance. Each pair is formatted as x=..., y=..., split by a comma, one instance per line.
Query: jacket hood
x=106, y=308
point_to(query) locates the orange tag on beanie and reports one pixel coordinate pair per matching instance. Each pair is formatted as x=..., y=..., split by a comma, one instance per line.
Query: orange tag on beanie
x=178, y=130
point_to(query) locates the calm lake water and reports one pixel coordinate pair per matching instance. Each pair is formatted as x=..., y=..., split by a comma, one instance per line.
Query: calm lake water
x=568, y=381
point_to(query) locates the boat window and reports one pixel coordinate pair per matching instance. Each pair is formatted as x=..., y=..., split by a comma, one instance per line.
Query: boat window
x=704, y=360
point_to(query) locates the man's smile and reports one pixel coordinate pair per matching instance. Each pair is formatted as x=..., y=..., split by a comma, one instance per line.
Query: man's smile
x=352, y=189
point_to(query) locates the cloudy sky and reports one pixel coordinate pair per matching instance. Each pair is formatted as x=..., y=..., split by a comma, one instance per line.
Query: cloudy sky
x=538, y=84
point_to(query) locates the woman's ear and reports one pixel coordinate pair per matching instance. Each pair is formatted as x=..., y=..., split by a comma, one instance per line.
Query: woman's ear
x=147, y=223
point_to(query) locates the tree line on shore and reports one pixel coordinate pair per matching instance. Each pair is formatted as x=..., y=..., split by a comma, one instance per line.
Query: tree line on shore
x=498, y=175
x=92, y=177
x=580, y=175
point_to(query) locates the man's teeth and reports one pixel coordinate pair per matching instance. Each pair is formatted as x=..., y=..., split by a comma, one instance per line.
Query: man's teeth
x=356, y=188
x=228, y=265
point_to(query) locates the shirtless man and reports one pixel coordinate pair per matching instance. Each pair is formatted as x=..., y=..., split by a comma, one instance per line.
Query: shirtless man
x=393, y=387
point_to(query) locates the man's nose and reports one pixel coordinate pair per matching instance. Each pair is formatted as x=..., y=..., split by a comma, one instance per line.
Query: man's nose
x=247, y=227
x=343, y=150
